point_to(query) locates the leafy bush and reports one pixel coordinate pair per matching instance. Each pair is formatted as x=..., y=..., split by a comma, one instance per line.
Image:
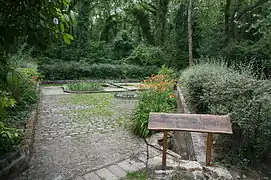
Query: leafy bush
x=84, y=86
x=9, y=137
x=17, y=96
x=216, y=89
x=21, y=86
x=5, y=102
x=77, y=70
x=168, y=72
x=146, y=56
x=158, y=98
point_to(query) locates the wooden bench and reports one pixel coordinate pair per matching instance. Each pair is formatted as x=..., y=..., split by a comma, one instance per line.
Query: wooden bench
x=190, y=122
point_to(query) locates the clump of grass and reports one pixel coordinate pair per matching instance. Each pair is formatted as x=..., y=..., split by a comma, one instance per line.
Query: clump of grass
x=140, y=175
x=84, y=86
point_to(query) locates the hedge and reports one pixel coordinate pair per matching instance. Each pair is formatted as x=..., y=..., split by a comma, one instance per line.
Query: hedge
x=216, y=89
x=78, y=70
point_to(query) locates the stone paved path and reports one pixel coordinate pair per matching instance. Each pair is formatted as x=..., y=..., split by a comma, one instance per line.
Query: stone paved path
x=78, y=134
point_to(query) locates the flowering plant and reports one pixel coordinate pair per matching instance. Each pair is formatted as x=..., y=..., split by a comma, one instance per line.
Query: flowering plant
x=157, y=97
x=159, y=83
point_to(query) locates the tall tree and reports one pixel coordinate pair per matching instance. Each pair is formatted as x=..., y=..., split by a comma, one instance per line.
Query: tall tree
x=144, y=22
x=189, y=24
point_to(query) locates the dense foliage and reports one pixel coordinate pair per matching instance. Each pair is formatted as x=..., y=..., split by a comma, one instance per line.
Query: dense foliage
x=216, y=89
x=36, y=23
x=17, y=97
x=155, y=33
x=82, y=70
x=16, y=101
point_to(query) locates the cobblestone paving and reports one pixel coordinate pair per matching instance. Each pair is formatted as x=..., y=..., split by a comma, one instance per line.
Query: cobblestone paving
x=76, y=134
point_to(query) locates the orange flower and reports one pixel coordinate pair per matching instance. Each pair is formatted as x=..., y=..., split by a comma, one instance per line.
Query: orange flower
x=172, y=95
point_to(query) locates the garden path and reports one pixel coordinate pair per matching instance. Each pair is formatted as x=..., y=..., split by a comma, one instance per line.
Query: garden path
x=78, y=133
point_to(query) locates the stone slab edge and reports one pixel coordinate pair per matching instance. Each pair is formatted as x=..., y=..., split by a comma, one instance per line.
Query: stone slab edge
x=21, y=163
x=87, y=92
x=192, y=138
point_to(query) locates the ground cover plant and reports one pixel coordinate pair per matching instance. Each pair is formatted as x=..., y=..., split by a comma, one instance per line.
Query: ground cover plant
x=84, y=86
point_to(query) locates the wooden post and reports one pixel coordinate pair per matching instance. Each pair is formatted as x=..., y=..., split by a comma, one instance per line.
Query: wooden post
x=164, y=158
x=209, y=149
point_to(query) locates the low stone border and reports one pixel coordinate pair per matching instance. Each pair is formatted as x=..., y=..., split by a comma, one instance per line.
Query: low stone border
x=194, y=141
x=17, y=162
x=121, y=89
x=87, y=92
x=126, y=95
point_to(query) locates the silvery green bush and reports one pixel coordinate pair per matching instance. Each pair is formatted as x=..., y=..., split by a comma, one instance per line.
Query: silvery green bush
x=216, y=89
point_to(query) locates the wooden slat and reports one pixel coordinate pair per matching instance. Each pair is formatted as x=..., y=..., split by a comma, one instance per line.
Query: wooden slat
x=209, y=145
x=164, y=156
x=190, y=122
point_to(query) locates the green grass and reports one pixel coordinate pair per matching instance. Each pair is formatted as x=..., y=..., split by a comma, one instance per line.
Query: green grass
x=98, y=102
x=140, y=175
x=84, y=86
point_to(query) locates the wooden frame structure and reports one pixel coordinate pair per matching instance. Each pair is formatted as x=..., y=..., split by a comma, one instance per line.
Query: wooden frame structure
x=190, y=122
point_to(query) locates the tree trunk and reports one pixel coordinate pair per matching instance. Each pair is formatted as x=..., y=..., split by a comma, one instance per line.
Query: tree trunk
x=227, y=21
x=161, y=21
x=144, y=23
x=190, y=41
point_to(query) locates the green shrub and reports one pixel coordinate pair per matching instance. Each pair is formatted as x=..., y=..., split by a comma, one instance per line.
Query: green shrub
x=5, y=102
x=146, y=56
x=17, y=96
x=158, y=98
x=77, y=70
x=22, y=88
x=84, y=86
x=216, y=89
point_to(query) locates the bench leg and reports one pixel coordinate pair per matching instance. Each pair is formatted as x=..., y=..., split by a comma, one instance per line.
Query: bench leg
x=164, y=158
x=209, y=149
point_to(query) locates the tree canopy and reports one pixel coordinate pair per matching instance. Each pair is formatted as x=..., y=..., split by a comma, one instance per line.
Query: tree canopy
x=236, y=30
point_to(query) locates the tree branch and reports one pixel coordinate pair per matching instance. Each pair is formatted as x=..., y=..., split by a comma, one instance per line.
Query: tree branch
x=149, y=7
x=247, y=10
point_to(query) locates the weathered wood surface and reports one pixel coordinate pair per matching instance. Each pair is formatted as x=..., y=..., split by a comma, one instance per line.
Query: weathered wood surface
x=164, y=157
x=209, y=149
x=190, y=122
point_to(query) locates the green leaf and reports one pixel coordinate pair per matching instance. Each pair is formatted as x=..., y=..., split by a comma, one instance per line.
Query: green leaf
x=9, y=134
x=72, y=16
x=67, y=17
x=70, y=36
x=66, y=38
x=41, y=15
x=62, y=27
